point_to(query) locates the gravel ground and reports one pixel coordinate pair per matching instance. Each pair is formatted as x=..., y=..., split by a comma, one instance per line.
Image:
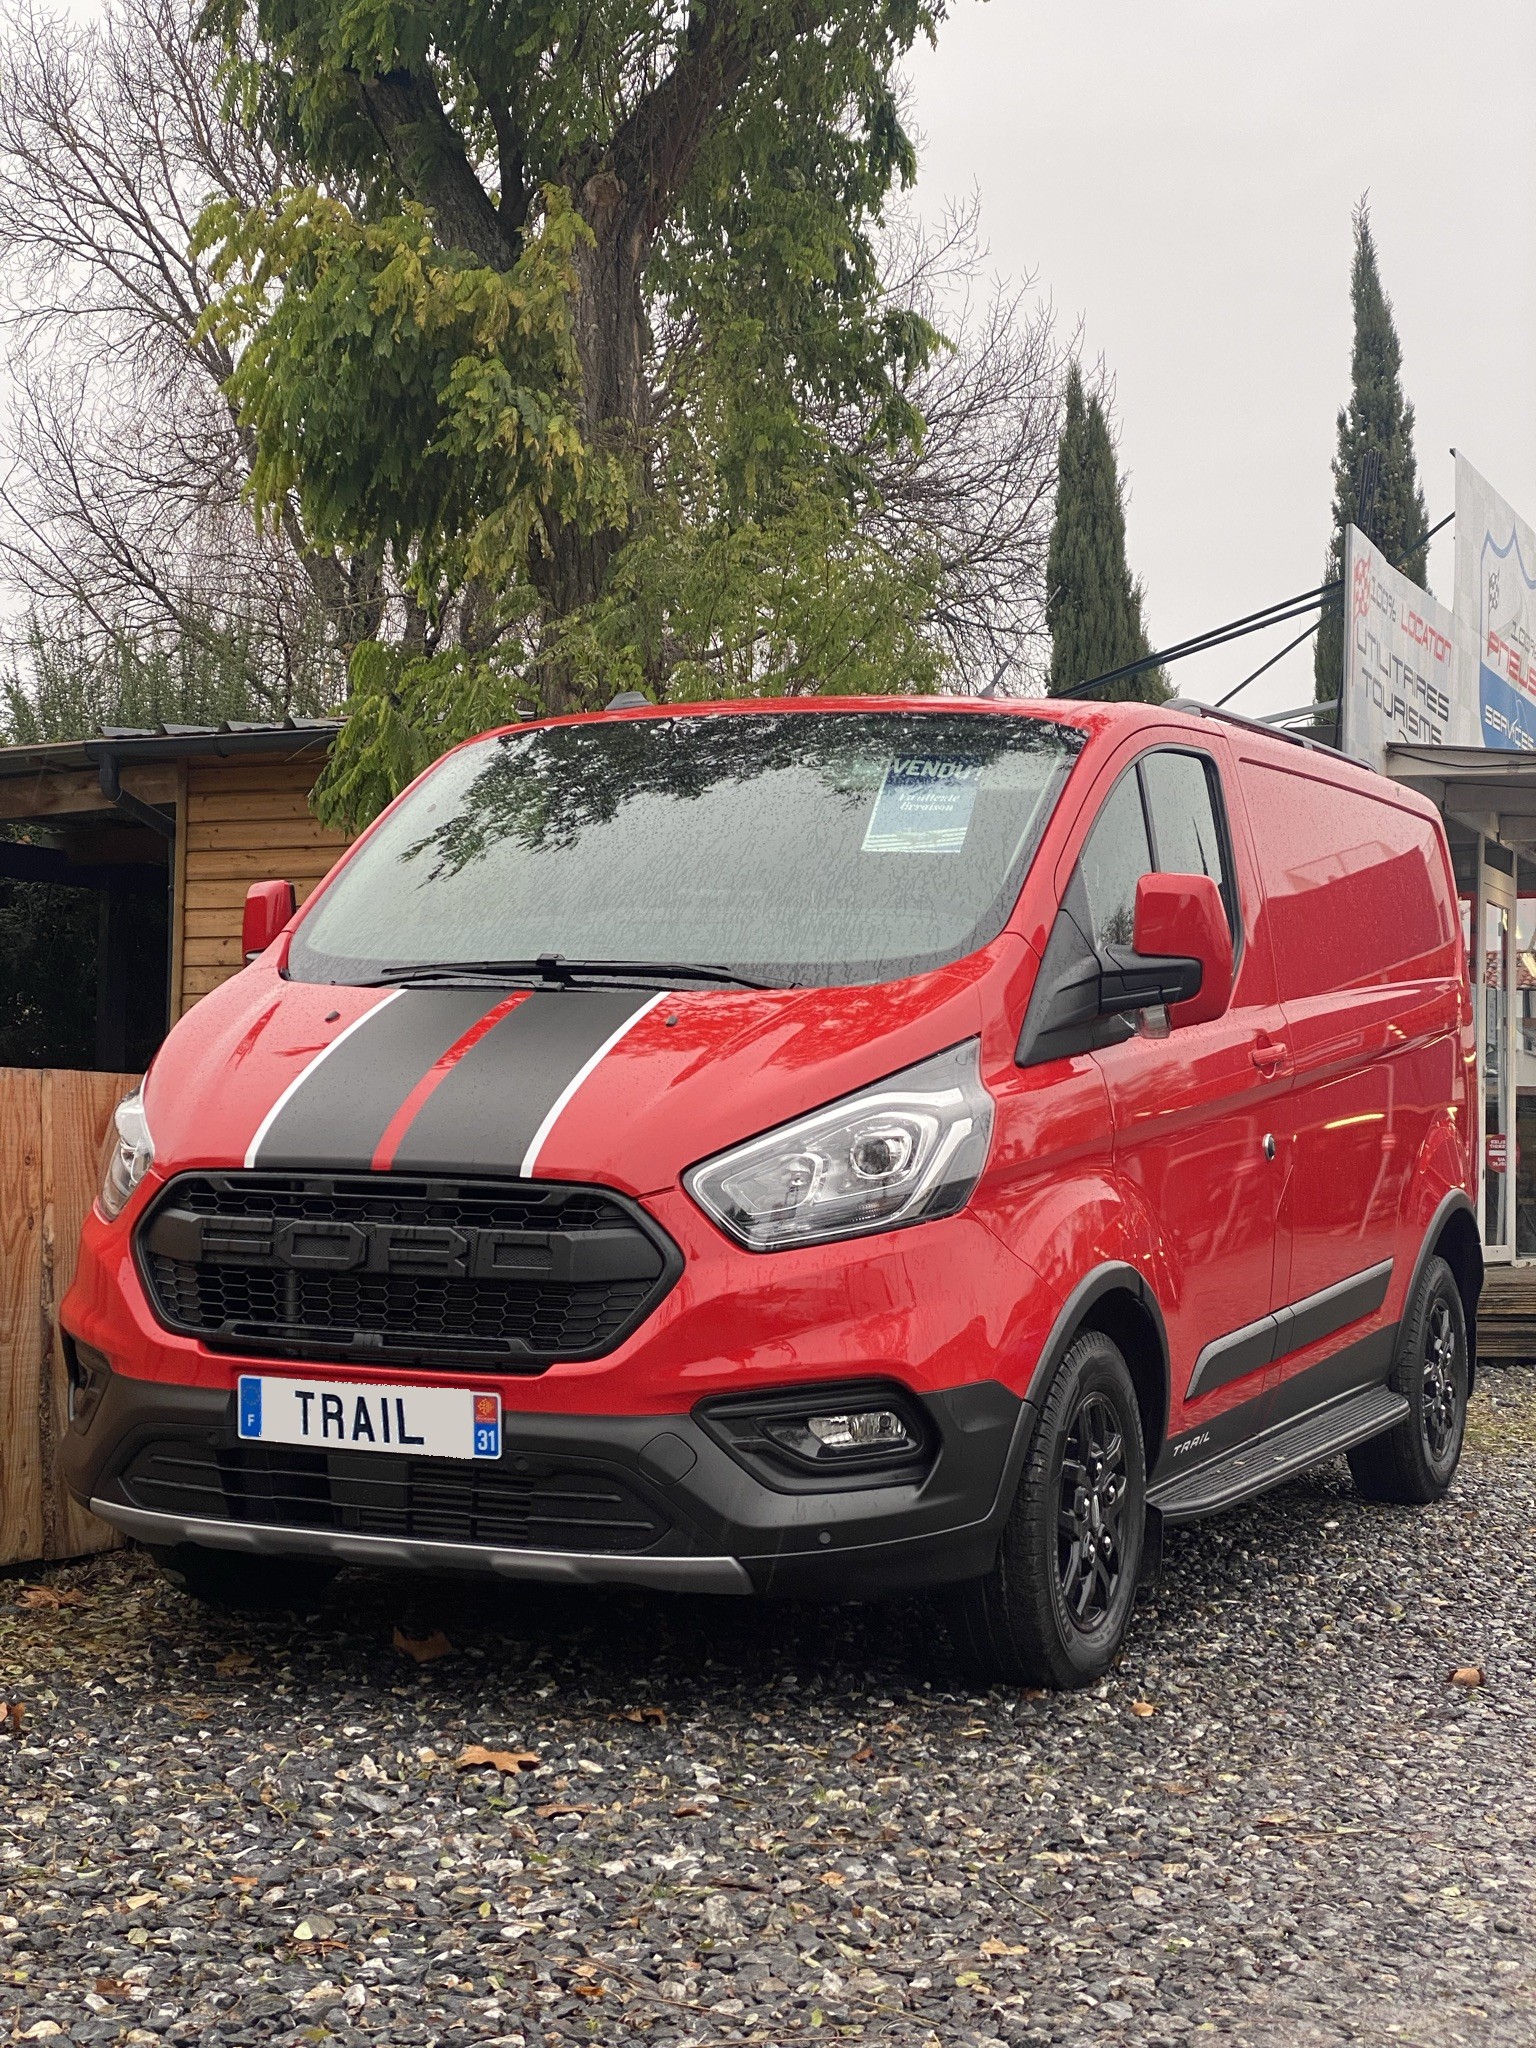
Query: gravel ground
x=1279, y=1822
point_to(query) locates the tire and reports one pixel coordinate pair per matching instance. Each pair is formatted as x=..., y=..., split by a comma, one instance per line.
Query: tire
x=248, y=1584
x=1415, y=1461
x=1052, y=1612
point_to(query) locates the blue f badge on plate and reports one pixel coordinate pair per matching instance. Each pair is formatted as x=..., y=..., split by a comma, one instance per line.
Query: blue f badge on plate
x=250, y=1407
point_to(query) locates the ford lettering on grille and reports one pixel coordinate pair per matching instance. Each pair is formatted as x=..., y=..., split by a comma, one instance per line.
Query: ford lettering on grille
x=512, y=1274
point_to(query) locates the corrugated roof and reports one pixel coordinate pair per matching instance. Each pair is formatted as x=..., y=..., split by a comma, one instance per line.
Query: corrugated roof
x=129, y=744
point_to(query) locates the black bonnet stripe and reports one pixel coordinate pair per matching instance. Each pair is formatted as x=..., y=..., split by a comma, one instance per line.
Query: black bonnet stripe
x=339, y=1110
x=488, y=1111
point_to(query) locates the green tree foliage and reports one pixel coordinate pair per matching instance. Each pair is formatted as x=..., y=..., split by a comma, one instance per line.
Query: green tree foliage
x=67, y=678
x=1375, y=475
x=559, y=320
x=1093, y=607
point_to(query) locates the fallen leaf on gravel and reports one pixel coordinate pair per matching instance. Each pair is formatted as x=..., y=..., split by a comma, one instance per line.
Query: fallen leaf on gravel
x=833, y=1877
x=51, y=1596
x=1143, y=1709
x=639, y=1714
x=1004, y=1948
x=13, y=1713
x=110, y=1987
x=861, y=1756
x=318, y=1927
x=474, y=1755
x=588, y=1990
x=245, y=1884
x=1469, y=1675
x=425, y=1649
x=140, y=1900
x=232, y=1665
x=559, y=1806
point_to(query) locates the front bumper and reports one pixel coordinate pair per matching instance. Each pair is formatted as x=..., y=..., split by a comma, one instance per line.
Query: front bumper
x=164, y=1463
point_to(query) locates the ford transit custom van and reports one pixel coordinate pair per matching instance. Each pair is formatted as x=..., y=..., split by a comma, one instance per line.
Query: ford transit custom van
x=816, y=1148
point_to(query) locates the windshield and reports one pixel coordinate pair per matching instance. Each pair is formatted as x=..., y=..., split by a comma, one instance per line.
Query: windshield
x=795, y=848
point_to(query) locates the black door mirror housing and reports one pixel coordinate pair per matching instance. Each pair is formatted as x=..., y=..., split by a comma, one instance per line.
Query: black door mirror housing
x=1084, y=996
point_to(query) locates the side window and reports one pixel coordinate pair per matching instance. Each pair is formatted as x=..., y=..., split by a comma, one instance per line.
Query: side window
x=1115, y=858
x=1185, y=828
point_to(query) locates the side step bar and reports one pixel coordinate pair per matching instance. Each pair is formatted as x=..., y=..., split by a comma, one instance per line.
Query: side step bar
x=1278, y=1454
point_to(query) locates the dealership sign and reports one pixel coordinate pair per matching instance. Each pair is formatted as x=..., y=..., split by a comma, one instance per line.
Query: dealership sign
x=1400, y=677
x=1495, y=614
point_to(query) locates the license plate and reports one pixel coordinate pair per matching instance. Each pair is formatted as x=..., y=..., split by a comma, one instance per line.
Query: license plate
x=339, y=1415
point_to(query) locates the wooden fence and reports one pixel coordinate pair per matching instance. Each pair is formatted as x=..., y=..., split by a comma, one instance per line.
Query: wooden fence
x=55, y=1127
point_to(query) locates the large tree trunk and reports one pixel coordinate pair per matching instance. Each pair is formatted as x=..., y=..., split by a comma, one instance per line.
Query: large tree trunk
x=570, y=563
x=625, y=191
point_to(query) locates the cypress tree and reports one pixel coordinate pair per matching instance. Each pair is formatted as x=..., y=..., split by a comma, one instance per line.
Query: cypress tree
x=1375, y=477
x=1092, y=607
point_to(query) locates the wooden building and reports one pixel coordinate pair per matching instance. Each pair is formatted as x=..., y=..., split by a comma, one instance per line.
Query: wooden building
x=162, y=833
x=197, y=814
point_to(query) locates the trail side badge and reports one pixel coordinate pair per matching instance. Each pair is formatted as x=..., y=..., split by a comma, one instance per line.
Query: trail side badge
x=924, y=805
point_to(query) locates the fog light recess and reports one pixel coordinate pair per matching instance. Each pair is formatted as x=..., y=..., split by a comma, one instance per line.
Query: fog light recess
x=88, y=1372
x=863, y=1435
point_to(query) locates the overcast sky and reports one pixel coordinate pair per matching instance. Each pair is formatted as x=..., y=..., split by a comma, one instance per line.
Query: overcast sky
x=1180, y=175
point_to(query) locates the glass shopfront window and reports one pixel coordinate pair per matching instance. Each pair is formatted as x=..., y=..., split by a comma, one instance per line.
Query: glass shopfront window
x=1498, y=915
x=1523, y=1166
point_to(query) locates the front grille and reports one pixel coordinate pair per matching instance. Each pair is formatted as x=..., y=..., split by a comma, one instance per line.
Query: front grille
x=502, y=1276
x=542, y=1506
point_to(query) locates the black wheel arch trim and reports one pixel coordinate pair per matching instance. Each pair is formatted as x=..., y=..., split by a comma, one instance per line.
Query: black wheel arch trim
x=1115, y=1276
x=1456, y=1202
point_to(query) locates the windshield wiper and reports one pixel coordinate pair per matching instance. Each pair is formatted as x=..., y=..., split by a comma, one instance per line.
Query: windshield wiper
x=560, y=969
x=558, y=972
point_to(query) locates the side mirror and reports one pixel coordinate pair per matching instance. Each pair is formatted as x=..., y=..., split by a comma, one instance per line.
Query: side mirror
x=268, y=907
x=1181, y=921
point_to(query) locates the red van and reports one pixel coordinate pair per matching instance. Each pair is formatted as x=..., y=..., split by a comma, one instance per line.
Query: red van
x=814, y=1148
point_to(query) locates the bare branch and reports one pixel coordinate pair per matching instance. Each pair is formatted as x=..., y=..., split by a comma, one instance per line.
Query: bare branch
x=122, y=507
x=978, y=491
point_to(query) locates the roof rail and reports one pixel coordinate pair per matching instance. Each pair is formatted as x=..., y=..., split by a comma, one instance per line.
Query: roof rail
x=1273, y=732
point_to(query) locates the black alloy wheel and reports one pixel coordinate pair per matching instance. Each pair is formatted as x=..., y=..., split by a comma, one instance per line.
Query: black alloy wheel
x=1440, y=1396
x=1055, y=1607
x=1415, y=1461
x=1091, y=1535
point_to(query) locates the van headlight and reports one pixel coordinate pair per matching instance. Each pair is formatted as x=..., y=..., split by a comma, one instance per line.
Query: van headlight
x=132, y=1156
x=904, y=1151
